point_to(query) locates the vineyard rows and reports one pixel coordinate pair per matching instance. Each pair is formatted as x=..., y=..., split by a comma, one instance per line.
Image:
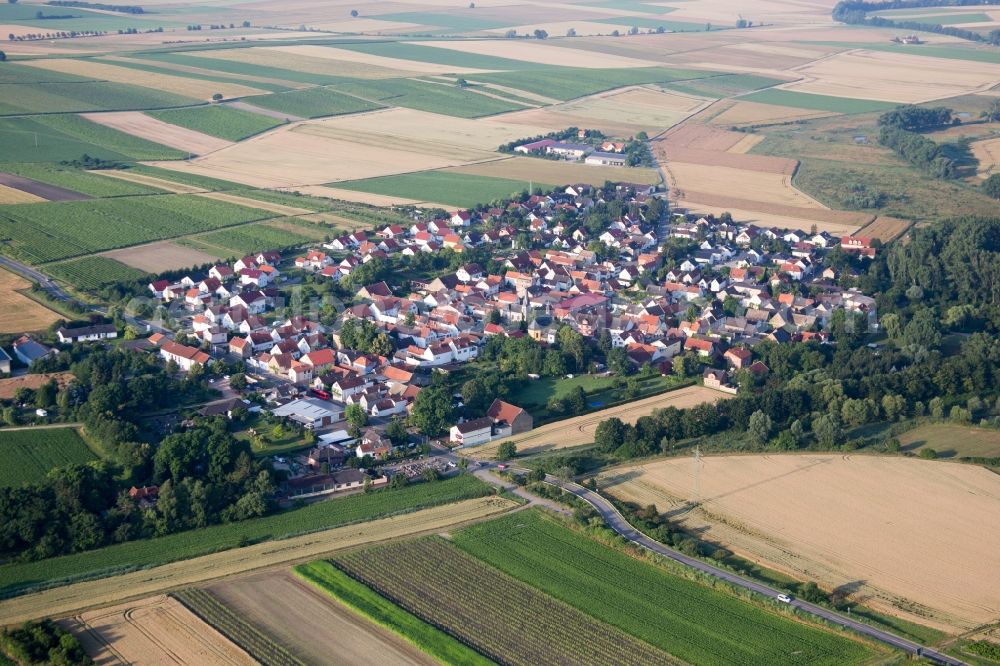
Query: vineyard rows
x=45, y=232
x=502, y=618
x=257, y=645
x=685, y=618
x=94, y=272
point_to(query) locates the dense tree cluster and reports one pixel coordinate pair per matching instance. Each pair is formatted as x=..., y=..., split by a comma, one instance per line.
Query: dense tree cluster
x=919, y=151
x=43, y=642
x=121, y=9
x=915, y=118
x=205, y=474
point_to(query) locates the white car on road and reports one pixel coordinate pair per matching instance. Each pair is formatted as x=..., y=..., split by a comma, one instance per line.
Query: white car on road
x=784, y=598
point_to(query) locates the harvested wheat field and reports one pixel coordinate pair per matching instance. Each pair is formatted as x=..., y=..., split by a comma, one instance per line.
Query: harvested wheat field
x=10, y=195
x=359, y=61
x=885, y=228
x=160, y=257
x=364, y=145
x=836, y=222
x=755, y=113
x=153, y=631
x=580, y=429
x=669, y=154
x=762, y=187
x=988, y=154
x=912, y=537
x=558, y=173
x=894, y=77
x=542, y=54
x=9, y=386
x=147, y=127
x=622, y=112
x=299, y=60
x=746, y=144
x=70, y=599
x=20, y=313
x=310, y=624
x=179, y=85
x=701, y=137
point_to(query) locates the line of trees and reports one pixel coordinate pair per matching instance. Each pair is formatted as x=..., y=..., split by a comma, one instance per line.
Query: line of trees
x=919, y=151
x=122, y=9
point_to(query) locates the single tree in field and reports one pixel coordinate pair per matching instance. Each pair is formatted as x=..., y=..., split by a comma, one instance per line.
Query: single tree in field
x=462, y=83
x=354, y=13
x=506, y=451
x=541, y=34
x=217, y=97
x=759, y=428
x=571, y=32
x=511, y=34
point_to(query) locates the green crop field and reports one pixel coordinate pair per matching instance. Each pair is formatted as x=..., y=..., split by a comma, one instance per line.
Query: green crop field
x=384, y=613
x=444, y=187
x=78, y=180
x=192, y=59
x=969, y=53
x=687, y=619
x=813, y=102
x=43, y=232
x=258, y=645
x=28, y=455
x=506, y=620
x=626, y=22
x=312, y=103
x=94, y=272
x=67, y=137
x=723, y=86
x=439, y=56
x=569, y=83
x=442, y=98
x=204, y=75
x=246, y=239
x=90, y=95
x=221, y=121
x=12, y=72
x=457, y=20
x=634, y=6
x=16, y=577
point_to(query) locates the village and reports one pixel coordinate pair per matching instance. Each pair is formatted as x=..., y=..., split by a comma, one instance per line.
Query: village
x=657, y=287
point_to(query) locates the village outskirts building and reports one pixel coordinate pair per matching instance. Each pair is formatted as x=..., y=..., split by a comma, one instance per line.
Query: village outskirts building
x=87, y=333
x=605, y=159
x=470, y=433
x=312, y=413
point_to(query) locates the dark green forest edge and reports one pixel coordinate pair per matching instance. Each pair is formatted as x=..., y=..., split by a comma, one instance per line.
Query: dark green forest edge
x=855, y=12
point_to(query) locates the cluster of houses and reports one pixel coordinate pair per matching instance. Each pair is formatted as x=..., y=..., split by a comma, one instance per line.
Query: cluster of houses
x=735, y=286
x=609, y=153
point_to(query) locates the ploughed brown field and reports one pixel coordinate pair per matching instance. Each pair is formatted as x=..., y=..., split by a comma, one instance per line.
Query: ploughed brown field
x=311, y=625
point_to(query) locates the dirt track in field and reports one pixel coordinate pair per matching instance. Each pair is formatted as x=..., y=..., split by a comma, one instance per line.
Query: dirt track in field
x=580, y=430
x=311, y=625
x=71, y=599
x=151, y=632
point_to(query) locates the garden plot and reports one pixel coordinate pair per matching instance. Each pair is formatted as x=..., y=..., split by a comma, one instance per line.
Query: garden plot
x=912, y=537
x=147, y=127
